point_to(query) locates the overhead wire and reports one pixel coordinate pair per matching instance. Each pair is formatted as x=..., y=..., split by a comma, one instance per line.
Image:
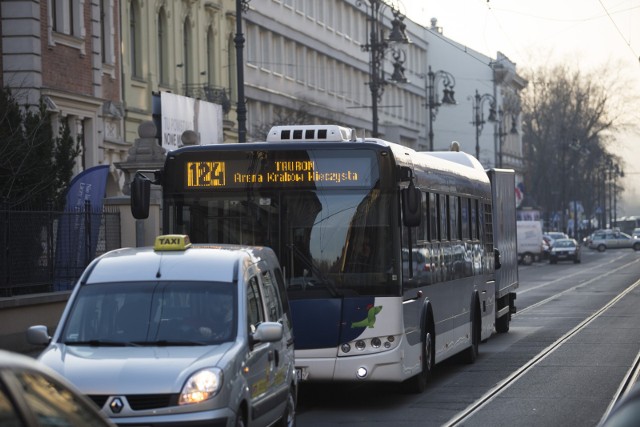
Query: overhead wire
x=618, y=29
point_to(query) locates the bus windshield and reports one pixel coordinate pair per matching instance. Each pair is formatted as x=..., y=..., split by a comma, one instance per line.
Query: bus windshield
x=331, y=240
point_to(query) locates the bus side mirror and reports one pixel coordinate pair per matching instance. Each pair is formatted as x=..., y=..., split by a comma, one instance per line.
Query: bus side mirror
x=496, y=256
x=140, y=196
x=411, y=206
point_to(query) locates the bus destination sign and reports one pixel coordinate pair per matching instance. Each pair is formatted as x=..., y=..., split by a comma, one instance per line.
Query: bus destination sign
x=233, y=173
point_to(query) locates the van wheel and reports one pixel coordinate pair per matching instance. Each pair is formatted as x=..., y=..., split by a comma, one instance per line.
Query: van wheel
x=602, y=248
x=289, y=417
x=418, y=383
x=527, y=259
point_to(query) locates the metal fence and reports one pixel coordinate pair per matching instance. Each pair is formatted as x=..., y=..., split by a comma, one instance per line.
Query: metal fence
x=45, y=250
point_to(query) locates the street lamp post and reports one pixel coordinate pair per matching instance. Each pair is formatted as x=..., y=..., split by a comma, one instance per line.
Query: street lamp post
x=432, y=92
x=478, y=115
x=378, y=45
x=241, y=108
x=617, y=173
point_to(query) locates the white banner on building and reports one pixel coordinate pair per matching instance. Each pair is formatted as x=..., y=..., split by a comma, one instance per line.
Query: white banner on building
x=180, y=113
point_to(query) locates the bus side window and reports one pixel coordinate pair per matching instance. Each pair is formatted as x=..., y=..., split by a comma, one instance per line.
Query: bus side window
x=433, y=217
x=454, y=218
x=444, y=217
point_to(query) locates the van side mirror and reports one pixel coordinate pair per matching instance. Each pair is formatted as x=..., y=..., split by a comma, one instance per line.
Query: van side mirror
x=411, y=206
x=267, y=332
x=140, y=196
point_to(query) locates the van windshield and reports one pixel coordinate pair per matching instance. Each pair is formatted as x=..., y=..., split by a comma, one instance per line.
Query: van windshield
x=152, y=313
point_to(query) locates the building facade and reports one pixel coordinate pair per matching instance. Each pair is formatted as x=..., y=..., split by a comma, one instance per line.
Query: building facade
x=66, y=52
x=180, y=46
x=99, y=63
x=308, y=61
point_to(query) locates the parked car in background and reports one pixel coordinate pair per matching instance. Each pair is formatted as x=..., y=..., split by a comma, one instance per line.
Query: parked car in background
x=555, y=235
x=565, y=250
x=31, y=394
x=602, y=240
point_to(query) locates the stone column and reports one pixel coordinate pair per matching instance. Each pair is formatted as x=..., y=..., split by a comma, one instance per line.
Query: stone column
x=145, y=154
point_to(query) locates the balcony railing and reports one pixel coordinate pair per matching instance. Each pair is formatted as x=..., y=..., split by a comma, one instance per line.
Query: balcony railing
x=214, y=94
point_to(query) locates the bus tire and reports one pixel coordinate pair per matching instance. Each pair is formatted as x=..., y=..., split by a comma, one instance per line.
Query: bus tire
x=471, y=353
x=418, y=383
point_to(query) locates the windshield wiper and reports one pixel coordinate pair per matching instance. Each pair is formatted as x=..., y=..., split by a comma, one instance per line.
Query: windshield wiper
x=165, y=343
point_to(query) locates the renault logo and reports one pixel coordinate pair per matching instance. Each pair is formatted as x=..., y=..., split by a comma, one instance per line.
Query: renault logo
x=116, y=405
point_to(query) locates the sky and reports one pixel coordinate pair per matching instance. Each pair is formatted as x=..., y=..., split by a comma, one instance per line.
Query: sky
x=584, y=34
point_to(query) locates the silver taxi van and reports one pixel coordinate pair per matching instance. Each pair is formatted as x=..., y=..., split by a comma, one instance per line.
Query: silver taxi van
x=179, y=334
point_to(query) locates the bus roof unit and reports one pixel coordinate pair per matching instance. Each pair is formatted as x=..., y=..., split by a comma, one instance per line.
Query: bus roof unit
x=321, y=133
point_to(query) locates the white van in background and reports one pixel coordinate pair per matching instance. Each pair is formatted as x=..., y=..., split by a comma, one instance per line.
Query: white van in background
x=529, y=241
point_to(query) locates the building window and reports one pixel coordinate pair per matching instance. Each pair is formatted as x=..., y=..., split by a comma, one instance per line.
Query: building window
x=135, y=39
x=163, y=45
x=107, y=32
x=211, y=56
x=67, y=17
x=187, y=49
x=66, y=23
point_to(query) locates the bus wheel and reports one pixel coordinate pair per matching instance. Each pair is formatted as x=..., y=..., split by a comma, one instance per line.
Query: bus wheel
x=418, y=383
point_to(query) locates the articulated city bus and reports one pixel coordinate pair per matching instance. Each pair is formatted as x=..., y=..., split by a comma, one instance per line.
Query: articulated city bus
x=388, y=253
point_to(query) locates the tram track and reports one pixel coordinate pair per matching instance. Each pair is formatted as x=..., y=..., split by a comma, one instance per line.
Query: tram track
x=573, y=288
x=629, y=380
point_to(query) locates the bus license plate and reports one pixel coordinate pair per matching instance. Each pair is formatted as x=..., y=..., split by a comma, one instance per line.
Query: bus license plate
x=302, y=374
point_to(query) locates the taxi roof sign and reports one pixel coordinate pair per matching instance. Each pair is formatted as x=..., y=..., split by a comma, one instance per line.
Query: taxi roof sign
x=172, y=242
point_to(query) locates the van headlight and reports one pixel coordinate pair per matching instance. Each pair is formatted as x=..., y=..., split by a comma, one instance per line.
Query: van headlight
x=201, y=386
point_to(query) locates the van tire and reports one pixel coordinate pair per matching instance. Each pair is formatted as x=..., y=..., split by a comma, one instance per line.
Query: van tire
x=527, y=259
x=289, y=416
x=240, y=419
